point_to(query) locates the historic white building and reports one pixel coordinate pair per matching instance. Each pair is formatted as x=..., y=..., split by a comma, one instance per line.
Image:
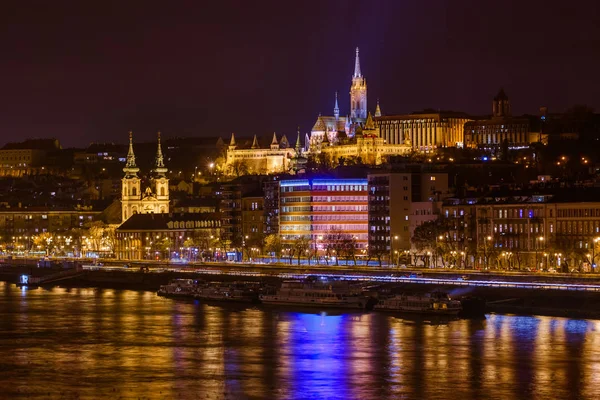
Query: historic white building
x=355, y=136
x=154, y=198
x=277, y=158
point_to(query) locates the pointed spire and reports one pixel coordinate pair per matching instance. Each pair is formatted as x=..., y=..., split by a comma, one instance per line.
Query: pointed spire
x=255, y=143
x=369, y=124
x=159, y=163
x=130, y=154
x=377, y=110
x=357, y=73
x=336, y=108
x=232, y=141
x=130, y=168
x=298, y=144
x=274, y=143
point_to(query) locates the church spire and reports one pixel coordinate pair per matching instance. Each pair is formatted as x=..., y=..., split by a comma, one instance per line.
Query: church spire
x=255, y=143
x=377, y=110
x=232, y=141
x=357, y=73
x=159, y=162
x=358, y=93
x=298, y=144
x=130, y=168
x=336, y=108
x=274, y=142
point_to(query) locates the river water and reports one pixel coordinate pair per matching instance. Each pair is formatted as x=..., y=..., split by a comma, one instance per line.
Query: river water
x=102, y=343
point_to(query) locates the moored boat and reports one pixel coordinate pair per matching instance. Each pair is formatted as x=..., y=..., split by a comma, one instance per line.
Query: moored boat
x=179, y=288
x=316, y=294
x=421, y=303
x=234, y=292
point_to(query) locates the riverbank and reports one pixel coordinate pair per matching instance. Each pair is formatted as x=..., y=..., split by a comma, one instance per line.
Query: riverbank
x=499, y=299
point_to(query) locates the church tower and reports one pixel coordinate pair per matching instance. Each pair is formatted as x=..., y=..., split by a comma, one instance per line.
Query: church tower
x=501, y=105
x=160, y=181
x=336, y=109
x=130, y=185
x=358, y=93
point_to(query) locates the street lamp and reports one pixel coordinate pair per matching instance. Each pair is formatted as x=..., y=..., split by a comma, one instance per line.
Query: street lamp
x=392, y=253
x=539, y=239
x=485, y=251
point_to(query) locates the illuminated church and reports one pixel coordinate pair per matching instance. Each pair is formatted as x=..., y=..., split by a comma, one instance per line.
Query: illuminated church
x=155, y=198
x=355, y=136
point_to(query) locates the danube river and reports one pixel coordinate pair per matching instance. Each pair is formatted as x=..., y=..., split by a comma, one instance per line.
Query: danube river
x=102, y=343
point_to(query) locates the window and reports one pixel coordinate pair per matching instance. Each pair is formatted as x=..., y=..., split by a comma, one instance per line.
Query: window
x=432, y=178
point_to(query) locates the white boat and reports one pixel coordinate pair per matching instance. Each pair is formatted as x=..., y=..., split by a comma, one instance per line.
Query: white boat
x=422, y=303
x=179, y=288
x=316, y=294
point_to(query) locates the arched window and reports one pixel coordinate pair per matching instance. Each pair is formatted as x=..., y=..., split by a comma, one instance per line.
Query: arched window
x=162, y=191
x=134, y=191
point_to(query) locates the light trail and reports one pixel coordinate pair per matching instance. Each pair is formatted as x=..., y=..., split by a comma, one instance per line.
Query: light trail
x=375, y=278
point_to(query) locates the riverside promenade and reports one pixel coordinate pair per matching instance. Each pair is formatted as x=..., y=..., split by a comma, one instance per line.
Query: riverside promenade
x=569, y=295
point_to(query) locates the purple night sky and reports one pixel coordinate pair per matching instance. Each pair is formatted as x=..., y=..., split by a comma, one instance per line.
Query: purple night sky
x=90, y=71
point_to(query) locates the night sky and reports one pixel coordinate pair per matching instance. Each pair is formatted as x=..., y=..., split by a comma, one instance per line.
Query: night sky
x=87, y=71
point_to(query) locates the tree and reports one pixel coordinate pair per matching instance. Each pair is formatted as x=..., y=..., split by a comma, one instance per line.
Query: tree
x=43, y=241
x=163, y=246
x=95, y=233
x=273, y=245
x=301, y=246
x=426, y=238
x=348, y=247
x=109, y=239
x=239, y=168
x=379, y=253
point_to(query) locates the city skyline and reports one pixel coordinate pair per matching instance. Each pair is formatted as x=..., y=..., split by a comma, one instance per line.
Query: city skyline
x=83, y=74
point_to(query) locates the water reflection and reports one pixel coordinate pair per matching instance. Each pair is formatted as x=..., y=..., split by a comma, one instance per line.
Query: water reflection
x=110, y=343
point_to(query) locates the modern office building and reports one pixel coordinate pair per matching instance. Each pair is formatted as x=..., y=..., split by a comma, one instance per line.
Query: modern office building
x=315, y=208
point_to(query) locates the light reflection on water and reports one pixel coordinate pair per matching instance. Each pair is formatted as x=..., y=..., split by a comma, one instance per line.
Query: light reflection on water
x=89, y=343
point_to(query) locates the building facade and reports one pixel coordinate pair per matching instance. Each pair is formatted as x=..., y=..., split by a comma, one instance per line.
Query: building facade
x=253, y=216
x=155, y=198
x=256, y=160
x=271, y=206
x=366, y=147
x=529, y=232
x=398, y=203
x=502, y=127
x=27, y=222
x=356, y=136
x=30, y=157
x=316, y=208
x=424, y=131
x=167, y=236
